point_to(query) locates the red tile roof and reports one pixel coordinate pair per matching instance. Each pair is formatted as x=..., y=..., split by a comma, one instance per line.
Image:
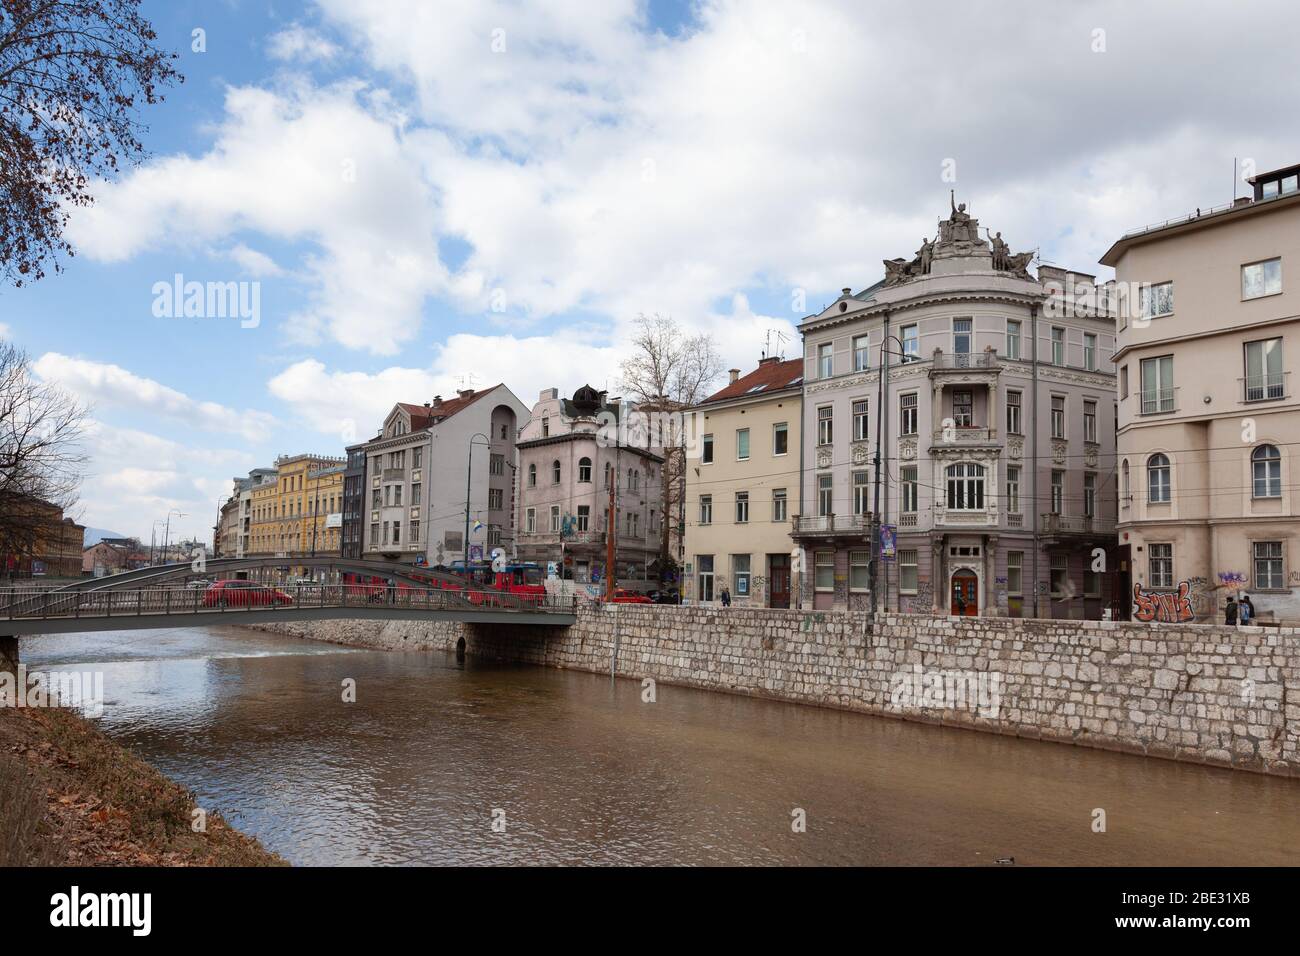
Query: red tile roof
x=768, y=377
x=422, y=416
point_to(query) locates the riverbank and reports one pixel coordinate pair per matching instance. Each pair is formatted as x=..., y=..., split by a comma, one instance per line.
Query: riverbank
x=1228, y=697
x=70, y=796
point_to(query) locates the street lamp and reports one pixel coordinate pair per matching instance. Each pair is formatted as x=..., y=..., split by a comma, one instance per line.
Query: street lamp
x=153, y=542
x=167, y=531
x=880, y=416
x=469, y=470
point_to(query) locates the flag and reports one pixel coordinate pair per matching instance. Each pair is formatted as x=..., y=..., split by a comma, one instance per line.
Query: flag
x=478, y=525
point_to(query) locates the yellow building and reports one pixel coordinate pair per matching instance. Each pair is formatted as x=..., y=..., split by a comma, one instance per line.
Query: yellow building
x=299, y=514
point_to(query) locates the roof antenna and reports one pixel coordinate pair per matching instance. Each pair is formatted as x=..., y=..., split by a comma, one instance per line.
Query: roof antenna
x=781, y=339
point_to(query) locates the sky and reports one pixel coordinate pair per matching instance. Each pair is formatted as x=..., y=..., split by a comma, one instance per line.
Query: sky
x=422, y=196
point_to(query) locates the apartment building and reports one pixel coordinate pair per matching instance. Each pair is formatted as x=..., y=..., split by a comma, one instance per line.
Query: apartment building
x=567, y=465
x=742, y=480
x=1207, y=408
x=416, y=471
x=294, y=511
x=990, y=393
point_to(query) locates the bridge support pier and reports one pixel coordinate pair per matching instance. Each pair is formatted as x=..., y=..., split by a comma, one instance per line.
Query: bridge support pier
x=8, y=654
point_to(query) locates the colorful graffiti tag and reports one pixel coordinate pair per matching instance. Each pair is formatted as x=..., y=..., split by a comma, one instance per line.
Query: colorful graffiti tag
x=1166, y=607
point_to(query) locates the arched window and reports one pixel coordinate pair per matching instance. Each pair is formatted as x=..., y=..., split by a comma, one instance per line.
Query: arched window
x=1158, y=478
x=631, y=479
x=966, y=487
x=1266, y=469
x=532, y=476
x=555, y=472
x=584, y=469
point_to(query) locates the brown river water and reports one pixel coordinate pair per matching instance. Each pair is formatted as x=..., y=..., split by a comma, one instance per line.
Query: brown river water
x=579, y=770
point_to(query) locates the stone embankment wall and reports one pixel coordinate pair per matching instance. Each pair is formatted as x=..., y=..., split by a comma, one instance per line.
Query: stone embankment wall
x=1204, y=693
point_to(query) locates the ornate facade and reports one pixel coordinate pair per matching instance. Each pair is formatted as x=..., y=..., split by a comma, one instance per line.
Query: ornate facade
x=997, y=466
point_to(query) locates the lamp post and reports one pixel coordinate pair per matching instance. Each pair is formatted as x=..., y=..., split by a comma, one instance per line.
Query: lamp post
x=880, y=416
x=469, y=471
x=153, y=542
x=167, y=531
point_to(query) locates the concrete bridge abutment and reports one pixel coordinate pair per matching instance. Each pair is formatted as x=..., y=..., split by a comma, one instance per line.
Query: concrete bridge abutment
x=8, y=654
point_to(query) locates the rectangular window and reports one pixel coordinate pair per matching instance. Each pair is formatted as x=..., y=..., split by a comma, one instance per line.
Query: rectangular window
x=907, y=417
x=780, y=438
x=416, y=489
x=1261, y=278
x=496, y=498
x=1264, y=370
x=584, y=517
x=824, y=571
x=497, y=465
x=911, y=339
x=860, y=420
x=780, y=504
x=1058, y=492
x=1157, y=384
x=1123, y=382
x=961, y=336
x=742, y=507
x=415, y=532
x=1089, y=495
x=1013, y=489
x=907, y=572
x=706, y=509
x=740, y=573
x=825, y=425
x=706, y=453
x=861, y=354
x=555, y=519
x=859, y=576
x=861, y=493
x=963, y=408
x=1156, y=300
x=825, y=360
x=825, y=504
x=1091, y=580
x=907, y=497
x=742, y=444
x=1060, y=575
x=1090, y=351
x=1160, y=563
x=1268, y=566
x=1013, y=413
x=1089, y=421
x=1058, y=416
x=530, y=520
x=1058, y=345
x=1015, y=572
x=1013, y=340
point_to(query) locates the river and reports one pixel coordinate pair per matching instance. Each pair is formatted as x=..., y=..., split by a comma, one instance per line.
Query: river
x=576, y=769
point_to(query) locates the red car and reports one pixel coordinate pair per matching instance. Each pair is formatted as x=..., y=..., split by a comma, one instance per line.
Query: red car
x=243, y=594
x=627, y=597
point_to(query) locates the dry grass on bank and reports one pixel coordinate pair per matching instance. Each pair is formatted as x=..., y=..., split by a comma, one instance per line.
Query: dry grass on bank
x=70, y=796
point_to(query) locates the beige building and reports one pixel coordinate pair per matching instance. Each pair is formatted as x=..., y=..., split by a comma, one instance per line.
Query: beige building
x=1208, y=416
x=742, y=488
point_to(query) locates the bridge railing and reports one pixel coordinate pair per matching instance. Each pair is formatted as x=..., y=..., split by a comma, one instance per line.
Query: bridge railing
x=28, y=603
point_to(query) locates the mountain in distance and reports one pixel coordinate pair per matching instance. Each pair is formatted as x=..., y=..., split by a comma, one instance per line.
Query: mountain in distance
x=96, y=535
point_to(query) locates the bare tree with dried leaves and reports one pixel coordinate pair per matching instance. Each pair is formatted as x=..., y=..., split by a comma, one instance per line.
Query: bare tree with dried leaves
x=41, y=458
x=669, y=371
x=73, y=76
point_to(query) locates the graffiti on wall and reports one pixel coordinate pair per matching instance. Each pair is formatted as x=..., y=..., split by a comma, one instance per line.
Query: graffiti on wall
x=1164, y=607
x=1232, y=579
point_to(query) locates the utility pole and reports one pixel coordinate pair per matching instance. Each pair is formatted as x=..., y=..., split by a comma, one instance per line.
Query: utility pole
x=874, y=565
x=469, y=471
x=611, y=532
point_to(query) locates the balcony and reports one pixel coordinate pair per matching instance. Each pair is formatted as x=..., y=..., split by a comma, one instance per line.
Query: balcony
x=1158, y=401
x=961, y=361
x=1071, y=526
x=965, y=435
x=827, y=525
x=1268, y=387
x=553, y=538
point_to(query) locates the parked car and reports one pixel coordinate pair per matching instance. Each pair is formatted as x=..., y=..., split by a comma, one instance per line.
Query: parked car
x=666, y=596
x=627, y=597
x=243, y=594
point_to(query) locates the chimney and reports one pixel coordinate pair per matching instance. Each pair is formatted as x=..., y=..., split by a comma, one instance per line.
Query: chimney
x=465, y=392
x=734, y=373
x=847, y=291
x=767, y=360
x=437, y=401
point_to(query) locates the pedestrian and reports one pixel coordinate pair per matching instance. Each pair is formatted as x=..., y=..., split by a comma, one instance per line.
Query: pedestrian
x=1246, y=610
x=392, y=590
x=1230, y=611
x=726, y=597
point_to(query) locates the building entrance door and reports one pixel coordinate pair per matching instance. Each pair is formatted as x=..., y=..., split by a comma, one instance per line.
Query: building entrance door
x=778, y=580
x=965, y=594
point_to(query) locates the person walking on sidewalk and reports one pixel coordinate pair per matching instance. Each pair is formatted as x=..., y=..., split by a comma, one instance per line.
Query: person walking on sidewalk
x=726, y=597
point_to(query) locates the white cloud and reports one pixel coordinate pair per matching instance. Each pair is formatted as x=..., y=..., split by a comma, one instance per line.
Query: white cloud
x=104, y=384
x=301, y=43
x=254, y=263
x=4, y=331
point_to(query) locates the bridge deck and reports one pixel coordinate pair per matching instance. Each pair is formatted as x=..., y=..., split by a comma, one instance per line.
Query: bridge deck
x=61, y=612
